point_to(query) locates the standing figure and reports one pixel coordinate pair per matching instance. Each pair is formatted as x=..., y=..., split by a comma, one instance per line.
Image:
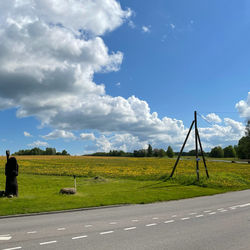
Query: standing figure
x=11, y=172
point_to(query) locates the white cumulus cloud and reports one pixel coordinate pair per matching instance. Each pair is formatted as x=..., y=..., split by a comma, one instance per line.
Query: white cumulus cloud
x=228, y=133
x=59, y=134
x=125, y=142
x=146, y=29
x=27, y=134
x=212, y=117
x=47, y=56
x=38, y=144
x=49, y=53
x=131, y=24
x=87, y=136
x=172, y=26
x=243, y=107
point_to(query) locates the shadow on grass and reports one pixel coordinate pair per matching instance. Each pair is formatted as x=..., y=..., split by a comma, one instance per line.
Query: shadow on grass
x=156, y=185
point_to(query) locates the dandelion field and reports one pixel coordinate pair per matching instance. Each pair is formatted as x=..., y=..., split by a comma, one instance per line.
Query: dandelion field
x=121, y=181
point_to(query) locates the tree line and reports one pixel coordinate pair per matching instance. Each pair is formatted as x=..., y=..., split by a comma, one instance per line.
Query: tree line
x=38, y=151
x=149, y=152
x=242, y=150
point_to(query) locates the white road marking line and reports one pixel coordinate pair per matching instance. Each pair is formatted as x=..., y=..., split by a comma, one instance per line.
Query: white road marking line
x=212, y=213
x=192, y=213
x=245, y=205
x=5, y=238
x=135, y=220
x=61, y=229
x=234, y=206
x=185, y=218
x=199, y=215
x=13, y=248
x=4, y=235
x=107, y=232
x=220, y=209
x=48, y=242
x=88, y=225
x=150, y=225
x=113, y=223
x=129, y=228
x=168, y=221
x=32, y=232
x=224, y=210
x=155, y=218
x=207, y=211
x=79, y=237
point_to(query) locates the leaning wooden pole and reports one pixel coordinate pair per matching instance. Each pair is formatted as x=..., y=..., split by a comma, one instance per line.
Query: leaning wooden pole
x=196, y=147
x=178, y=158
x=202, y=153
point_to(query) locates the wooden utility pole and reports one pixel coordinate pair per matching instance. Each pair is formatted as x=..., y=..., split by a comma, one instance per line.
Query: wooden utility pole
x=196, y=147
x=202, y=154
x=197, y=144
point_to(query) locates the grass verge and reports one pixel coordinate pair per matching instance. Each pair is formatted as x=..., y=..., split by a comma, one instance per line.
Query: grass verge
x=124, y=181
x=40, y=193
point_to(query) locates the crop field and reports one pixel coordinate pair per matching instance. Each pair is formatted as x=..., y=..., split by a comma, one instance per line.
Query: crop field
x=120, y=181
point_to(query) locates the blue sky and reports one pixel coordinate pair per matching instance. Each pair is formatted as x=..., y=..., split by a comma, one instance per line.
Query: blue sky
x=120, y=76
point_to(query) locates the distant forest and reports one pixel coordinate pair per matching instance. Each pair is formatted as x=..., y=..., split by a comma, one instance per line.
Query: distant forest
x=242, y=151
x=38, y=151
x=149, y=152
x=216, y=152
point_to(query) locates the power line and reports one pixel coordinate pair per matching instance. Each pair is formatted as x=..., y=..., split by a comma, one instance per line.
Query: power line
x=221, y=112
x=221, y=131
x=201, y=116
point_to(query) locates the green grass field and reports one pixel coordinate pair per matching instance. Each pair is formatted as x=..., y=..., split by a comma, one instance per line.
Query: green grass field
x=122, y=181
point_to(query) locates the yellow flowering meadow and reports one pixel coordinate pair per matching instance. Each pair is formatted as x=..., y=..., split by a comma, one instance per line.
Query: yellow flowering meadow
x=120, y=167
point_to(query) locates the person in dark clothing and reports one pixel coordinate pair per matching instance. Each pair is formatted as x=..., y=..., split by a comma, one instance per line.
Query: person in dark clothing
x=11, y=172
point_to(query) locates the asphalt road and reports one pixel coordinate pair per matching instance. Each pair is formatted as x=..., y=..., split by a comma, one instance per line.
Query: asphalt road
x=214, y=222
